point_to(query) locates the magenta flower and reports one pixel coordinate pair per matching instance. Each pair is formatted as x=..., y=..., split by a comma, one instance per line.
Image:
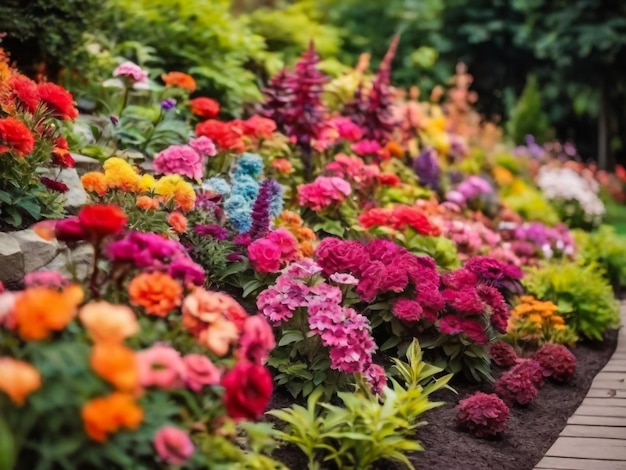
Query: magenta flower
x=204, y=146
x=256, y=341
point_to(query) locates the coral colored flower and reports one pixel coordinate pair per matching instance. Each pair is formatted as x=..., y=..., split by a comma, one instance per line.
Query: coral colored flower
x=247, y=390
x=106, y=415
x=178, y=222
x=102, y=220
x=95, y=182
x=179, y=160
x=15, y=137
x=54, y=185
x=257, y=340
x=282, y=166
x=204, y=108
x=375, y=217
x=117, y=364
x=45, y=279
x=173, y=445
x=18, y=379
x=146, y=203
x=132, y=72
x=41, y=310
x=179, y=80
x=156, y=292
x=259, y=127
x=58, y=100
x=108, y=323
x=161, y=366
x=226, y=135
x=200, y=372
x=24, y=91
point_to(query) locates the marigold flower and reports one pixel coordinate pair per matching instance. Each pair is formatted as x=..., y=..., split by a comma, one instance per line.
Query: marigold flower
x=147, y=203
x=18, y=379
x=178, y=222
x=156, y=292
x=119, y=174
x=179, y=80
x=175, y=187
x=147, y=182
x=108, y=323
x=15, y=137
x=40, y=310
x=282, y=166
x=105, y=415
x=95, y=182
x=58, y=100
x=204, y=108
x=117, y=364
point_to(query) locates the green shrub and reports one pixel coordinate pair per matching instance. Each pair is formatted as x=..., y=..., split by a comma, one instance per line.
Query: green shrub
x=527, y=117
x=582, y=293
x=532, y=206
x=605, y=248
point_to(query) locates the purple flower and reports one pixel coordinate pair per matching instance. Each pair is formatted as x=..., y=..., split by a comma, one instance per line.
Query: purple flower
x=214, y=230
x=427, y=169
x=186, y=270
x=168, y=104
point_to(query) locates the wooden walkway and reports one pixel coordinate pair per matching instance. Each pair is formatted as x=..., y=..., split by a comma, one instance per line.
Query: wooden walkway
x=595, y=436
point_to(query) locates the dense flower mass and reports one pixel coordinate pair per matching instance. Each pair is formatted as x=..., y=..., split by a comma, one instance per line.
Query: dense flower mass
x=181, y=160
x=483, y=414
x=15, y=137
x=58, y=101
x=323, y=192
x=558, y=361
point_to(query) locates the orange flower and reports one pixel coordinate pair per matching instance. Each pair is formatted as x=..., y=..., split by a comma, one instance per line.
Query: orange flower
x=394, y=149
x=180, y=80
x=40, y=310
x=178, y=222
x=95, y=182
x=147, y=203
x=106, y=415
x=307, y=249
x=18, y=379
x=108, y=323
x=282, y=166
x=117, y=365
x=156, y=292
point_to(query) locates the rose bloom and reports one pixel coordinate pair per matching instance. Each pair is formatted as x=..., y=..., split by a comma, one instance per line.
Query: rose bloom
x=179, y=80
x=102, y=220
x=247, y=390
x=108, y=323
x=15, y=137
x=282, y=166
x=58, y=100
x=161, y=366
x=200, y=372
x=156, y=292
x=173, y=445
x=18, y=379
x=117, y=364
x=204, y=108
x=265, y=255
x=105, y=415
x=178, y=222
x=41, y=310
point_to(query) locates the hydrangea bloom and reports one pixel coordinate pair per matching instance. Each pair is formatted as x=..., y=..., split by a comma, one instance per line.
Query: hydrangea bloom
x=181, y=160
x=217, y=185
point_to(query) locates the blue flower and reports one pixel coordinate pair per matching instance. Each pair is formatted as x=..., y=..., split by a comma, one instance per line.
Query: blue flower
x=249, y=164
x=240, y=220
x=276, y=202
x=246, y=187
x=217, y=185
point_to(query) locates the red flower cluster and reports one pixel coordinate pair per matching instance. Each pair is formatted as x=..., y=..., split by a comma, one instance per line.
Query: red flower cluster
x=15, y=137
x=93, y=223
x=400, y=217
x=483, y=414
x=61, y=156
x=247, y=390
x=519, y=385
x=24, y=92
x=204, y=108
x=503, y=354
x=54, y=185
x=558, y=361
x=226, y=135
x=58, y=100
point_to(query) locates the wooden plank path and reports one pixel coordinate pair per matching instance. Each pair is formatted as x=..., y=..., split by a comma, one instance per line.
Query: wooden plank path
x=595, y=436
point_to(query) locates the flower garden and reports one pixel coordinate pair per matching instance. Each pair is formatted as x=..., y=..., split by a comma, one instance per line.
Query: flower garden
x=346, y=275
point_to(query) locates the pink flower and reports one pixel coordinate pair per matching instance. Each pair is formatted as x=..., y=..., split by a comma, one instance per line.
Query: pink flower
x=161, y=366
x=257, y=340
x=173, y=445
x=366, y=147
x=200, y=371
x=204, y=146
x=450, y=325
x=323, y=192
x=46, y=278
x=345, y=279
x=376, y=377
x=407, y=310
x=287, y=243
x=265, y=255
x=180, y=160
x=347, y=129
x=131, y=71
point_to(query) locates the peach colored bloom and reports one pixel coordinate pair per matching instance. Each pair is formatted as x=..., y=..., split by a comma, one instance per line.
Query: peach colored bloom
x=18, y=379
x=108, y=323
x=219, y=336
x=40, y=310
x=147, y=203
x=178, y=222
x=200, y=372
x=116, y=364
x=282, y=166
x=105, y=415
x=156, y=292
x=161, y=366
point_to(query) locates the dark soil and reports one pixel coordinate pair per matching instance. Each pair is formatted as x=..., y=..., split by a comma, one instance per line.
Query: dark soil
x=530, y=433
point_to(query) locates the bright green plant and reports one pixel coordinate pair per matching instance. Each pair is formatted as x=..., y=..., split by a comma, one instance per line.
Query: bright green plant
x=531, y=205
x=605, y=248
x=366, y=428
x=581, y=292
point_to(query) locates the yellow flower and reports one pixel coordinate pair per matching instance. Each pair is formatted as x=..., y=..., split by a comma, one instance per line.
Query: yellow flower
x=147, y=183
x=502, y=176
x=176, y=188
x=119, y=174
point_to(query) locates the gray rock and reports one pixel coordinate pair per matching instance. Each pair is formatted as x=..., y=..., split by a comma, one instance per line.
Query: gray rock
x=37, y=252
x=80, y=260
x=76, y=196
x=86, y=164
x=11, y=260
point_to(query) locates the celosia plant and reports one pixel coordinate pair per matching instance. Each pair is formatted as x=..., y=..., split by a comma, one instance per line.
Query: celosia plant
x=503, y=354
x=482, y=414
x=519, y=385
x=558, y=361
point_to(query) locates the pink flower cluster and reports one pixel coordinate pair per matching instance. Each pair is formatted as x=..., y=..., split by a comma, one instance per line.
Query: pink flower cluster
x=271, y=253
x=366, y=147
x=470, y=238
x=519, y=385
x=185, y=160
x=173, y=445
x=346, y=333
x=483, y=414
x=335, y=130
x=131, y=71
x=46, y=278
x=323, y=192
x=557, y=361
x=361, y=176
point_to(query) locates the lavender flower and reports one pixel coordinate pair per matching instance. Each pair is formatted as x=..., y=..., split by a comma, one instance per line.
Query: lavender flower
x=168, y=104
x=427, y=169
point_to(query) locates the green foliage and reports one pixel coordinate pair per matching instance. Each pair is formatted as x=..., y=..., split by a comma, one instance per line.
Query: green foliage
x=583, y=295
x=527, y=118
x=365, y=428
x=606, y=249
x=532, y=205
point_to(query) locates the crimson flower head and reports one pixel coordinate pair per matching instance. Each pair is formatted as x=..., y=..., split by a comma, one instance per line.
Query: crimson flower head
x=204, y=108
x=54, y=185
x=102, y=220
x=59, y=101
x=70, y=230
x=24, y=91
x=15, y=137
x=247, y=390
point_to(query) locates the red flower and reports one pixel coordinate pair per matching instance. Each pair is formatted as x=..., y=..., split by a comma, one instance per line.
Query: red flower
x=226, y=135
x=204, y=108
x=389, y=179
x=15, y=137
x=25, y=92
x=247, y=390
x=259, y=127
x=403, y=216
x=54, y=185
x=61, y=142
x=70, y=230
x=58, y=100
x=101, y=220
x=374, y=218
x=62, y=158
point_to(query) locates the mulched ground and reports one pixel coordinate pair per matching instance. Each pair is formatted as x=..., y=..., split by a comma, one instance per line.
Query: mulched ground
x=530, y=432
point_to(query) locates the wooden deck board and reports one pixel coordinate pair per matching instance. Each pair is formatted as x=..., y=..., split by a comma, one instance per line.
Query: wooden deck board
x=602, y=432
x=557, y=463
